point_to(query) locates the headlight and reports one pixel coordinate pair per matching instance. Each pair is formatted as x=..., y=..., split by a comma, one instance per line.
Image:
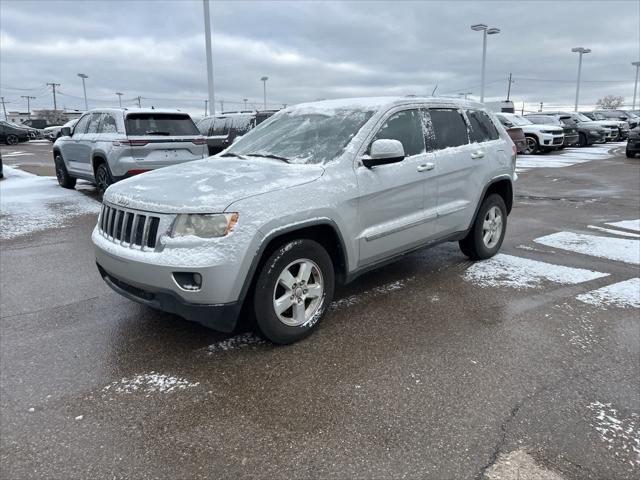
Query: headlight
x=204, y=225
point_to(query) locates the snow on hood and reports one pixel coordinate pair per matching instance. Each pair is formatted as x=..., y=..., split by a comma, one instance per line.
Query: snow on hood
x=208, y=185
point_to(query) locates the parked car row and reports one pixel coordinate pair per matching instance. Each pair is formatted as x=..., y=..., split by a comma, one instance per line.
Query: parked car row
x=222, y=130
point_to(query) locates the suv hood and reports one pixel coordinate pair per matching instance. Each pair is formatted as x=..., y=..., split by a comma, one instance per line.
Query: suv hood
x=208, y=185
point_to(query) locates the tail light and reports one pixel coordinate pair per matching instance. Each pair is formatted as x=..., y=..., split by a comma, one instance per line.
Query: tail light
x=129, y=143
x=199, y=141
x=137, y=172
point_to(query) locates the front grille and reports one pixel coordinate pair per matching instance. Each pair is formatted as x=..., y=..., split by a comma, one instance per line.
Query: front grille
x=128, y=228
x=558, y=140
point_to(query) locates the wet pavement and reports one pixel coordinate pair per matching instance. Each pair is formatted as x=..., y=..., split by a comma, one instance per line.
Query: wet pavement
x=423, y=369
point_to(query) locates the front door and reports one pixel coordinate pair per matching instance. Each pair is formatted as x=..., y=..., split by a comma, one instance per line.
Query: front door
x=71, y=148
x=391, y=197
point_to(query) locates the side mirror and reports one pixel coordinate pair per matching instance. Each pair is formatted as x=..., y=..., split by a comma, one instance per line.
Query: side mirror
x=65, y=132
x=383, y=152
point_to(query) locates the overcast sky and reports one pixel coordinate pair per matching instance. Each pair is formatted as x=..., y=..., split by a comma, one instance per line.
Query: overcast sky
x=312, y=50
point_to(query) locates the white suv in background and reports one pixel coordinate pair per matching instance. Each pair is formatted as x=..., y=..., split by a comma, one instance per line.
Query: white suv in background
x=539, y=137
x=107, y=145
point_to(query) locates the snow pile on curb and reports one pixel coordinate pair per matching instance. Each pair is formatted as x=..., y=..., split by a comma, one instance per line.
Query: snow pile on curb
x=29, y=203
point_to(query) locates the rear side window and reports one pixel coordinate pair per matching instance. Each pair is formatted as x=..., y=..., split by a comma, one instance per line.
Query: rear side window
x=170, y=124
x=220, y=126
x=405, y=126
x=108, y=124
x=482, y=128
x=449, y=129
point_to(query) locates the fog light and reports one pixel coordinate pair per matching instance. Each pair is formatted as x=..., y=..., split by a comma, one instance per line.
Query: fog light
x=191, y=281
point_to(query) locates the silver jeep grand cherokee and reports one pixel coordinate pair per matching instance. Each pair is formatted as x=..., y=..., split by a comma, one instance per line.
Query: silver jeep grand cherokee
x=107, y=145
x=318, y=194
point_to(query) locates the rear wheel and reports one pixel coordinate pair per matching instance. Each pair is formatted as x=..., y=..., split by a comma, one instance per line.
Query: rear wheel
x=487, y=233
x=531, y=146
x=293, y=291
x=64, y=179
x=103, y=178
x=12, y=140
x=582, y=140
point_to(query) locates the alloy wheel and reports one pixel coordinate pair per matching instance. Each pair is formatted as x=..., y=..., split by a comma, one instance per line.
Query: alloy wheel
x=298, y=293
x=492, y=227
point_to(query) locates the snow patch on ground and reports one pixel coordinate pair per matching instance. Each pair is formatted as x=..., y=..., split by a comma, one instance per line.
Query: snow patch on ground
x=149, y=383
x=622, y=435
x=628, y=224
x=381, y=290
x=29, y=203
x=618, y=249
x=234, y=343
x=622, y=294
x=519, y=465
x=566, y=158
x=520, y=273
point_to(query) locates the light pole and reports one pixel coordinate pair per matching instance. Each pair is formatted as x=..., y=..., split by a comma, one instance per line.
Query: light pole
x=485, y=31
x=635, y=88
x=581, y=51
x=84, y=89
x=245, y=100
x=207, y=38
x=119, y=98
x=264, y=90
x=29, y=98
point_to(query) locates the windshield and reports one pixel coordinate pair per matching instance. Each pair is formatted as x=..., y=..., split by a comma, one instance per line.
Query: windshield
x=518, y=120
x=305, y=136
x=581, y=118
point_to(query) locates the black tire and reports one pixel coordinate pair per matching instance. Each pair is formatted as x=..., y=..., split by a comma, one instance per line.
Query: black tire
x=474, y=245
x=268, y=288
x=12, y=139
x=629, y=153
x=103, y=178
x=582, y=140
x=64, y=179
x=532, y=145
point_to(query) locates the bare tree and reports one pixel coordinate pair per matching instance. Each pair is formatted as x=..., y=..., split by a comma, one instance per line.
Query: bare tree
x=53, y=117
x=610, y=102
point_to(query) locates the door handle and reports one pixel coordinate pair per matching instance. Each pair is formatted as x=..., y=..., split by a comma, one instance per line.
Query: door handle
x=426, y=167
x=478, y=154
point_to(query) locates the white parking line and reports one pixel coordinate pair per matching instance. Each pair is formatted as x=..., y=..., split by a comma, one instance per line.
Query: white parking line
x=614, y=232
x=619, y=249
x=520, y=273
x=627, y=224
x=622, y=294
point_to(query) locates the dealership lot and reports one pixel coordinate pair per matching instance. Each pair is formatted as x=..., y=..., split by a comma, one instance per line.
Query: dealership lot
x=431, y=367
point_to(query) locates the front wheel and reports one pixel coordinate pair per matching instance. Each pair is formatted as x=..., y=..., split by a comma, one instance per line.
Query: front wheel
x=12, y=140
x=487, y=232
x=293, y=291
x=531, y=146
x=582, y=140
x=64, y=179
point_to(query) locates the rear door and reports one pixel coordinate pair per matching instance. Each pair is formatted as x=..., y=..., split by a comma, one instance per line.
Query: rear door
x=456, y=163
x=160, y=139
x=391, y=197
x=87, y=143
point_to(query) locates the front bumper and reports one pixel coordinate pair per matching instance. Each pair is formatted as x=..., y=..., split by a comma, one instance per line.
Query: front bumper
x=551, y=141
x=221, y=317
x=595, y=136
x=571, y=140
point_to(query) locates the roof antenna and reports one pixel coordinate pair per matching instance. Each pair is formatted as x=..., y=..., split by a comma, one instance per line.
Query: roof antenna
x=433, y=94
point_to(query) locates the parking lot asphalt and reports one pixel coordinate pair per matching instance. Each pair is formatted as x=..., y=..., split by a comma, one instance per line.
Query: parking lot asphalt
x=432, y=367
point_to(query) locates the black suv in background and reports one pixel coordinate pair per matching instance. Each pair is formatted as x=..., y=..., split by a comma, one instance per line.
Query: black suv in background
x=589, y=132
x=633, y=142
x=223, y=129
x=571, y=136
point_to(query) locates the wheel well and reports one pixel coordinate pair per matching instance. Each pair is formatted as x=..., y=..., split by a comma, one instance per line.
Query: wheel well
x=504, y=189
x=97, y=160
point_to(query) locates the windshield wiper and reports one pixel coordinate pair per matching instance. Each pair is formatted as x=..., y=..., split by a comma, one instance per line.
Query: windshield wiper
x=231, y=154
x=268, y=155
x=155, y=132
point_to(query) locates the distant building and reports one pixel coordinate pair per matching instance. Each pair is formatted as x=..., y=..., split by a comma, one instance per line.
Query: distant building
x=20, y=117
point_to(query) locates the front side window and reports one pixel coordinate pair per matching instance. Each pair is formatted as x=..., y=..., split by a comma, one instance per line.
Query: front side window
x=407, y=128
x=449, y=129
x=94, y=124
x=482, y=128
x=81, y=126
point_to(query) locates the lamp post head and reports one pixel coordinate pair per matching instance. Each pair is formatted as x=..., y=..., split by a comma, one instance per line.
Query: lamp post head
x=581, y=50
x=264, y=79
x=493, y=31
x=479, y=27
x=82, y=75
x=635, y=64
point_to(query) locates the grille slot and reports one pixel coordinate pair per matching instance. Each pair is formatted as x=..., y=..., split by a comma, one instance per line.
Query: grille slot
x=128, y=228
